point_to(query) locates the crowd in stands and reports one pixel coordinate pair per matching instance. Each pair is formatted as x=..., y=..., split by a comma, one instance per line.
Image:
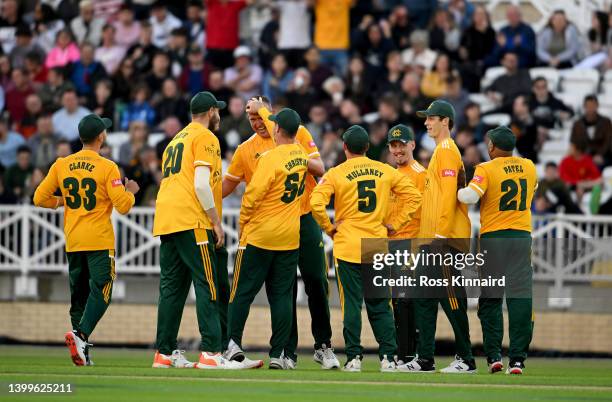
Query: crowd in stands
x=336, y=62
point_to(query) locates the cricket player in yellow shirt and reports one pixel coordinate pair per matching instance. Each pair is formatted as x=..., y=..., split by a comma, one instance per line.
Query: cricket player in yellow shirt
x=400, y=140
x=90, y=187
x=270, y=237
x=505, y=187
x=361, y=188
x=312, y=260
x=442, y=217
x=188, y=222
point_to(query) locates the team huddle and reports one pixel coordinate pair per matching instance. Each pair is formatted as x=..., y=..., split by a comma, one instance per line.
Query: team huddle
x=282, y=216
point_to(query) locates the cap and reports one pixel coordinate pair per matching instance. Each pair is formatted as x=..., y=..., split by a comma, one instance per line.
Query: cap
x=242, y=51
x=203, y=101
x=356, y=138
x=92, y=125
x=287, y=119
x=400, y=133
x=503, y=138
x=438, y=108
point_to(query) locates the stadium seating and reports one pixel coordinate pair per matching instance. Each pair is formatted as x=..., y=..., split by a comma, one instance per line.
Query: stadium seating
x=551, y=74
x=580, y=82
x=491, y=74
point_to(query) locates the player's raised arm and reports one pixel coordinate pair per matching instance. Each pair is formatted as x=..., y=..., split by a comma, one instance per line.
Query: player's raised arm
x=316, y=167
x=263, y=177
x=43, y=196
x=408, y=196
x=234, y=174
x=122, y=196
x=319, y=200
x=258, y=107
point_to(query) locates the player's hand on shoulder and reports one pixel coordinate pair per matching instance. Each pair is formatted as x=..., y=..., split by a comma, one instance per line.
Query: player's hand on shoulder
x=131, y=186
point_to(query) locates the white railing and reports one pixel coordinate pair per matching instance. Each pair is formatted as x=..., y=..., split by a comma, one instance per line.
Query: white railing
x=565, y=247
x=32, y=240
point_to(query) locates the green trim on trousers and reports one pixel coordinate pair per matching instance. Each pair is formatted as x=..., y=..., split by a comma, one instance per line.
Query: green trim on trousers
x=313, y=269
x=182, y=262
x=454, y=306
x=515, y=257
x=380, y=313
x=277, y=270
x=91, y=275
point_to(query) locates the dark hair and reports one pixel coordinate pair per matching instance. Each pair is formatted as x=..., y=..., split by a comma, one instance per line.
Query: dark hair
x=550, y=164
x=68, y=90
x=591, y=98
x=538, y=79
x=471, y=105
x=391, y=100
x=557, y=12
x=107, y=83
x=23, y=148
x=581, y=145
x=34, y=57
x=451, y=123
x=63, y=141
x=181, y=31
x=358, y=151
x=141, y=86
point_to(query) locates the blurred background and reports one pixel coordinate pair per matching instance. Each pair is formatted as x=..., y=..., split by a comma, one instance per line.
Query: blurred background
x=542, y=67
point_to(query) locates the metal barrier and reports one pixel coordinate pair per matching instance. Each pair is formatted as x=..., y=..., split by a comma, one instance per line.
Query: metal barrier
x=565, y=247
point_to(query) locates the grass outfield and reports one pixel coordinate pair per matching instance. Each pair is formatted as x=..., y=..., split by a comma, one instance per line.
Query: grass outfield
x=125, y=375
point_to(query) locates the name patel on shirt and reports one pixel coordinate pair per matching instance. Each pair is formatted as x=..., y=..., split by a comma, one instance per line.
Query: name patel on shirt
x=81, y=165
x=513, y=169
x=363, y=172
x=296, y=162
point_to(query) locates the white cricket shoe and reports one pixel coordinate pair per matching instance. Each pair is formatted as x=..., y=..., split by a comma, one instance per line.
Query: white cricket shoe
x=233, y=351
x=326, y=358
x=216, y=361
x=460, y=366
x=353, y=366
x=277, y=363
x=175, y=360
x=77, y=348
x=387, y=366
x=290, y=364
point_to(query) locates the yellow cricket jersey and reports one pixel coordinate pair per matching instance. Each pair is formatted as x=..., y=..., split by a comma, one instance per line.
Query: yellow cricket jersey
x=177, y=207
x=417, y=173
x=442, y=214
x=506, y=186
x=362, y=189
x=332, y=24
x=91, y=186
x=270, y=211
x=245, y=158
